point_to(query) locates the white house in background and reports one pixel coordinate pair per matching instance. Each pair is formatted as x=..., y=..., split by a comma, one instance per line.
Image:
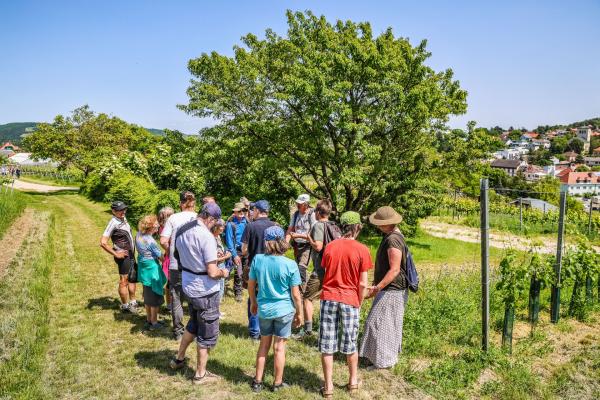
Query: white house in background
x=584, y=133
x=509, y=154
x=592, y=161
x=511, y=167
x=25, y=160
x=533, y=173
x=580, y=183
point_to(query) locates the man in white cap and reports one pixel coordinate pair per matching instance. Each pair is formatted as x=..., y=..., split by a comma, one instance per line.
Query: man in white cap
x=302, y=220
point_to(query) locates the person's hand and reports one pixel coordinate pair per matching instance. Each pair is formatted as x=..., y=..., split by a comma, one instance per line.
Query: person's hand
x=372, y=291
x=121, y=254
x=237, y=260
x=253, y=308
x=298, y=321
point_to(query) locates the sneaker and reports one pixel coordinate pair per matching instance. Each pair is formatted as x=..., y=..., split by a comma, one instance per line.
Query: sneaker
x=239, y=298
x=124, y=308
x=282, y=385
x=300, y=334
x=154, y=327
x=207, y=378
x=256, y=387
x=133, y=307
x=176, y=364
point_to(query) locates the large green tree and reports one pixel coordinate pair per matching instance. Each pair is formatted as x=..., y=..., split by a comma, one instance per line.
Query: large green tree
x=84, y=139
x=343, y=113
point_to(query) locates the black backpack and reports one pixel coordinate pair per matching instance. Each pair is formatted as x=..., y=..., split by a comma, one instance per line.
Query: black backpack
x=331, y=232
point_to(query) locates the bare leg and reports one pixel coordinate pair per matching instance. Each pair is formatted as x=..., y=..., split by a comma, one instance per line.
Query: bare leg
x=202, y=360
x=261, y=357
x=352, y=360
x=186, y=340
x=153, y=315
x=279, y=350
x=148, y=313
x=123, y=283
x=308, y=310
x=327, y=362
x=131, y=287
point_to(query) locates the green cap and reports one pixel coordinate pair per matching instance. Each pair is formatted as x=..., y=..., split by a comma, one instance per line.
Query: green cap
x=350, y=218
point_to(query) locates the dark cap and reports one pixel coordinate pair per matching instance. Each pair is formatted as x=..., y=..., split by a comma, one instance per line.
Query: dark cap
x=212, y=209
x=262, y=205
x=185, y=196
x=118, y=205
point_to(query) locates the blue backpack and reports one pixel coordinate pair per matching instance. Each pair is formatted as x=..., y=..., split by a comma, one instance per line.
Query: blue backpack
x=412, y=277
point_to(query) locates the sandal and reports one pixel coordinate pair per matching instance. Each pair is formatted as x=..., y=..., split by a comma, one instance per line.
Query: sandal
x=353, y=389
x=325, y=394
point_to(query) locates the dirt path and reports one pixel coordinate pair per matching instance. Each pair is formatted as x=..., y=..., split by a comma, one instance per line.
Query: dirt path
x=14, y=237
x=40, y=188
x=472, y=235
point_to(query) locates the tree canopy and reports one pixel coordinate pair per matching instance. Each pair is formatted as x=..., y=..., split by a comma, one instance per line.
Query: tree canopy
x=341, y=113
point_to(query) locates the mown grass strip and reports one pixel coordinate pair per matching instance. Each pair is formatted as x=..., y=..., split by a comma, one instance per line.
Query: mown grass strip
x=24, y=327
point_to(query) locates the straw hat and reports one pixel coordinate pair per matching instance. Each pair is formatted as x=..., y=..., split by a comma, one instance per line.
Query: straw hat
x=385, y=215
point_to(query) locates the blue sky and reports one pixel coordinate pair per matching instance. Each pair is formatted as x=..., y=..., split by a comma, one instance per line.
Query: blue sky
x=523, y=63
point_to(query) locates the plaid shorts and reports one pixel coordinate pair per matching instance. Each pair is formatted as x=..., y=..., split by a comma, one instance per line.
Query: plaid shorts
x=333, y=314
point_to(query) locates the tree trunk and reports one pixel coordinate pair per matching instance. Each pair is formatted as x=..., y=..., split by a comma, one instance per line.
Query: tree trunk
x=507, y=329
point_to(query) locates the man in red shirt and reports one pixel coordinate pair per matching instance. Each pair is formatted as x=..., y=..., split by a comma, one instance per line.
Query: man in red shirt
x=346, y=262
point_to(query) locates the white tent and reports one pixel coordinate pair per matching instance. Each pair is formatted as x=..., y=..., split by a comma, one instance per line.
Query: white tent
x=24, y=159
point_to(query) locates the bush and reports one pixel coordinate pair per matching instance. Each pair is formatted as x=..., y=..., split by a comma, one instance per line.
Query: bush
x=136, y=192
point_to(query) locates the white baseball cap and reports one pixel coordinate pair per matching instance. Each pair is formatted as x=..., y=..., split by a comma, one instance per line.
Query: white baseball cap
x=303, y=198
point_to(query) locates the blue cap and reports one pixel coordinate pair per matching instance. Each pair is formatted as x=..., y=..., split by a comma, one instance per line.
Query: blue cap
x=274, y=232
x=262, y=205
x=212, y=209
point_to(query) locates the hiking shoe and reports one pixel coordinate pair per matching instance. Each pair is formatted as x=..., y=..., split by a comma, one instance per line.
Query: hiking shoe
x=124, y=308
x=302, y=334
x=154, y=327
x=282, y=385
x=239, y=298
x=256, y=387
x=176, y=364
x=208, y=377
x=147, y=325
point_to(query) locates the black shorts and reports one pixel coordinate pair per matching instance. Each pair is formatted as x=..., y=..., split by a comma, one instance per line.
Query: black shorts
x=204, y=319
x=124, y=265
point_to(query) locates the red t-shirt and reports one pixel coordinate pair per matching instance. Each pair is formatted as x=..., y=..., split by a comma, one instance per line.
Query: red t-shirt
x=344, y=260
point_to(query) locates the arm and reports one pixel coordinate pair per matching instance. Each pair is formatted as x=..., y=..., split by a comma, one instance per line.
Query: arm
x=245, y=249
x=395, y=257
x=230, y=239
x=225, y=257
x=117, y=254
x=363, y=286
x=164, y=242
x=214, y=271
x=252, y=294
x=288, y=233
x=298, y=317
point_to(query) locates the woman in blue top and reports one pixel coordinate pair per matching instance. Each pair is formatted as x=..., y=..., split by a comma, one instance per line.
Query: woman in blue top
x=277, y=303
x=150, y=273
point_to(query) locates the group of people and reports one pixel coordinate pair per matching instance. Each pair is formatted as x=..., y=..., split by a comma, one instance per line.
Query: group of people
x=196, y=262
x=10, y=170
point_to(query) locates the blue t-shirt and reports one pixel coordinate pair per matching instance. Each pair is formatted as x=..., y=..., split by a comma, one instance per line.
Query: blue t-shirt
x=275, y=277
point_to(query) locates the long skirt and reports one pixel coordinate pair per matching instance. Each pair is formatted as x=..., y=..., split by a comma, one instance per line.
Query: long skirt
x=382, y=340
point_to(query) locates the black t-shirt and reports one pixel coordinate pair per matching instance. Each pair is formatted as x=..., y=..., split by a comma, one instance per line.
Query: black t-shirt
x=254, y=236
x=382, y=261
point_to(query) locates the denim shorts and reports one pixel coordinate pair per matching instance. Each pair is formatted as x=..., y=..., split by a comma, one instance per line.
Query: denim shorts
x=280, y=327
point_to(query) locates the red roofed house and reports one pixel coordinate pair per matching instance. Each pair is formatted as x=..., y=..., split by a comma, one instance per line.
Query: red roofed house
x=8, y=149
x=579, y=183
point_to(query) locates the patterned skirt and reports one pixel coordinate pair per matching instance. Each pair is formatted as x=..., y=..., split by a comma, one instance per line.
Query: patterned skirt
x=382, y=340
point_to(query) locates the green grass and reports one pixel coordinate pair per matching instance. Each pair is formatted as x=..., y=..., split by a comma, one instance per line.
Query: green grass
x=88, y=349
x=49, y=180
x=12, y=205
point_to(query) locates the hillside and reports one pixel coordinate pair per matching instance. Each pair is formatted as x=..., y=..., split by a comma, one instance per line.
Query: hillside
x=12, y=131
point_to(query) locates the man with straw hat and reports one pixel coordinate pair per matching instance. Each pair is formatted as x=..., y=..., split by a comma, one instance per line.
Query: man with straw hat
x=382, y=340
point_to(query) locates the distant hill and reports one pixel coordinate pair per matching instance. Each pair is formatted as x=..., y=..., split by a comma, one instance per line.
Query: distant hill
x=14, y=131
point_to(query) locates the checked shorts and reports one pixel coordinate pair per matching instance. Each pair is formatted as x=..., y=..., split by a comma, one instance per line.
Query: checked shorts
x=334, y=315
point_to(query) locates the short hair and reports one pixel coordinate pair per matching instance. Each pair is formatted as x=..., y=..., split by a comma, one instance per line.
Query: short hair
x=351, y=230
x=276, y=247
x=324, y=207
x=164, y=214
x=208, y=199
x=147, y=224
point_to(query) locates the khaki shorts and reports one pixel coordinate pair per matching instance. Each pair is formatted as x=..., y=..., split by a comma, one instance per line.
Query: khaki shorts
x=314, y=286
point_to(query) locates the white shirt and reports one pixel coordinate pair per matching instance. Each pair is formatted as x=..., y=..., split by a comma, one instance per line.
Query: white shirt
x=170, y=230
x=197, y=248
x=116, y=223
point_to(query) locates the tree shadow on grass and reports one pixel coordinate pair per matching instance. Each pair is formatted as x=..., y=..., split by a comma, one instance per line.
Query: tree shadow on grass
x=295, y=375
x=159, y=360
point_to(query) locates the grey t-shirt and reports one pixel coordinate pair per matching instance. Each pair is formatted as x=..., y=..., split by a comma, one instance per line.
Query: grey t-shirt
x=317, y=233
x=303, y=223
